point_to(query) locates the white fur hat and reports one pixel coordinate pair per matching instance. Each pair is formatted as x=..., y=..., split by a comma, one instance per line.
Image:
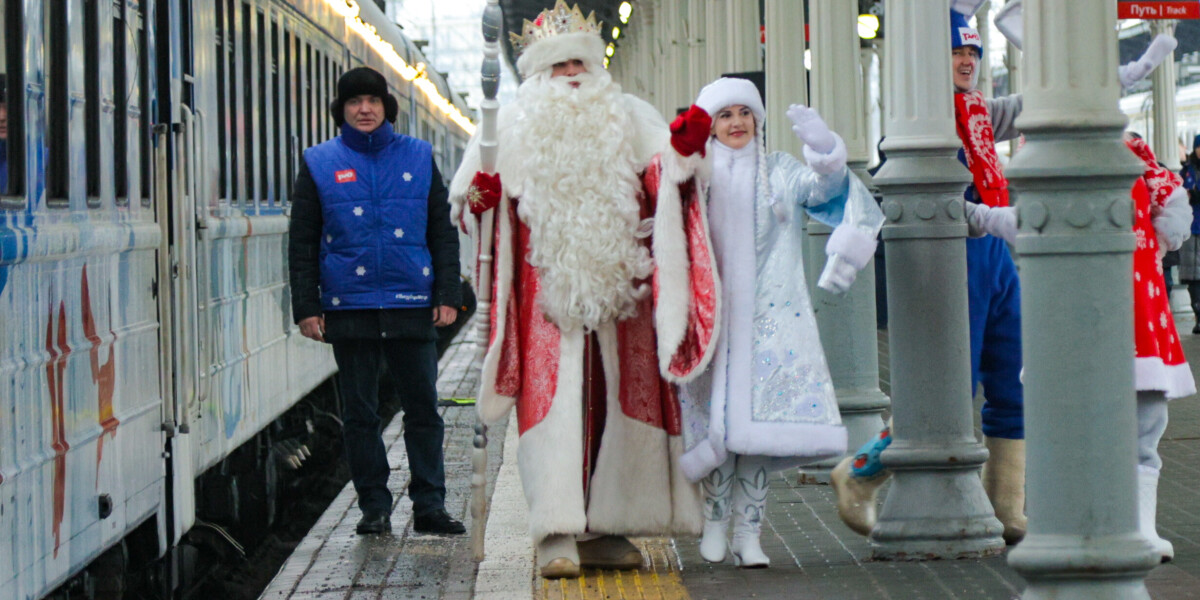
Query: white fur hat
x=728, y=91
x=544, y=53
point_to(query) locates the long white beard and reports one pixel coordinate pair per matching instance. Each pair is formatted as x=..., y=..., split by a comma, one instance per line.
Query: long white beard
x=579, y=199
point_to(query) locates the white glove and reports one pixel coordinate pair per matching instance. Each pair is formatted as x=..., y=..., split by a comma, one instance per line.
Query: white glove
x=811, y=128
x=1000, y=221
x=1133, y=72
x=849, y=249
x=838, y=275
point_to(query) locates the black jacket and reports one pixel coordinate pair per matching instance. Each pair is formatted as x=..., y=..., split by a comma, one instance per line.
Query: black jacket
x=304, y=269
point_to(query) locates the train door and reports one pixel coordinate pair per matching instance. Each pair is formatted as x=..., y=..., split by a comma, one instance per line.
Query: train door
x=173, y=180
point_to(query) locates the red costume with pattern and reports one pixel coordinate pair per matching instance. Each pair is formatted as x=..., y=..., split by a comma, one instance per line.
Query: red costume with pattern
x=1160, y=364
x=585, y=353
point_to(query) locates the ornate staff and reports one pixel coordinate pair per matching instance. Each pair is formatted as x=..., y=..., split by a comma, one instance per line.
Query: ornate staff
x=490, y=78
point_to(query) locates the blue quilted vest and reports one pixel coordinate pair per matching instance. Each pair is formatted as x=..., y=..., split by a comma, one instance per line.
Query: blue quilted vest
x=374, y=191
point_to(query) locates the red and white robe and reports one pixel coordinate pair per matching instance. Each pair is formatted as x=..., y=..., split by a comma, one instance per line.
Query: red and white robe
x=599, y=421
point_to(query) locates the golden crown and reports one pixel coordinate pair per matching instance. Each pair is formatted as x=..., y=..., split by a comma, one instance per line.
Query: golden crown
x=553, y=21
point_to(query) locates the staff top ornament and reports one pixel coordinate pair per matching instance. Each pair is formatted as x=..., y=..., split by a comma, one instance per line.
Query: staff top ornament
x=558, y=34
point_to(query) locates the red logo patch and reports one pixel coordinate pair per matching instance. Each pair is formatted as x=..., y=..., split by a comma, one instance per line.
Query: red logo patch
x=345, y=176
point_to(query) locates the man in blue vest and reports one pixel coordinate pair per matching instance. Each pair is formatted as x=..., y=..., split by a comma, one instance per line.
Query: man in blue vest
x=373, y=260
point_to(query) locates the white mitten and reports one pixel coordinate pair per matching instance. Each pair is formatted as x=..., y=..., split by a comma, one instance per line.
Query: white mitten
x=811, y=128
x=1133, y=72
x=838, y=275
x=1000, y=221
x=849, y=249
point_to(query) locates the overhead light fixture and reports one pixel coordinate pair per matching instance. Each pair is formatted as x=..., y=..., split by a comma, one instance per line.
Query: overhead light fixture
x=610, y=50
x=625, y=10
x=606, y=62
x=616, y=32
x=868, y=26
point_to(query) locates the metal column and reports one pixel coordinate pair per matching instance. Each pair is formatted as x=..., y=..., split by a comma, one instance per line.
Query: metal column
x=847, y=322
x=936, y=507
x=1074, y=175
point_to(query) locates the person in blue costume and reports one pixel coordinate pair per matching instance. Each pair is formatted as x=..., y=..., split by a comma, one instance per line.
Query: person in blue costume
x=1189, y=254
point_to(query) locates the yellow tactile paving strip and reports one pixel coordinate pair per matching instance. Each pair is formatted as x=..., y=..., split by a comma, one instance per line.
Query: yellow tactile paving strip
x=658, y=579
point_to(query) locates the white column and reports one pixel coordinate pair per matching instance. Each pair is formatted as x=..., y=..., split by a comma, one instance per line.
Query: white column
x=846, y=323
x=936, y=507
x=984, y=24
x=742, y=29
x=1074, y=176
x=786, y=75
x=695, y=26
x=1164, y=137
x=716, y=46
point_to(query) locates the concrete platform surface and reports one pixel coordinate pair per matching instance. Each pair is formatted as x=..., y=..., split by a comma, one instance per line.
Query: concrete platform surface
x=813, y=555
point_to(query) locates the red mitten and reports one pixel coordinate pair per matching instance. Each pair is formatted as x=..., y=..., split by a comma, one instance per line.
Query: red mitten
x=485, y=192
x=690, y=131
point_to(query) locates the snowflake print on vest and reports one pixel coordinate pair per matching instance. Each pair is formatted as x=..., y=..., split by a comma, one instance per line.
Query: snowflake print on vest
x=974, y=127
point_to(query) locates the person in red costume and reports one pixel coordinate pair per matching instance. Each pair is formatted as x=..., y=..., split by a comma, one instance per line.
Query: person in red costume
x=605, y=293
x=1162, y=221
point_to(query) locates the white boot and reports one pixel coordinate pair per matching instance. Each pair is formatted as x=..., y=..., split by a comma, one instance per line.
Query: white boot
x=557, y=556
x=1004, y=481
x=1147, y=510
x=718, y=488
x=749, y=508
x=856, y=496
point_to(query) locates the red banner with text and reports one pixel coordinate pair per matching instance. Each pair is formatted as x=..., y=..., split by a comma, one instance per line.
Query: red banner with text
x=1158, y=9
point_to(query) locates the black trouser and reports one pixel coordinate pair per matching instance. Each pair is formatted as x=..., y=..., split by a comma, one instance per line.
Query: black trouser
x=414, y=365
x=1193, y=288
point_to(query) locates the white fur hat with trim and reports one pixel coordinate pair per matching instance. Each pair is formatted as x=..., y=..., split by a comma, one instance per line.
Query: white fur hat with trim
x=728, y=91
x=588, y=47
x=557, y=35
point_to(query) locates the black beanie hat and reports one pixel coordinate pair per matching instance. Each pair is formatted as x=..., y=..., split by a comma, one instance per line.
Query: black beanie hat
x=358, y=82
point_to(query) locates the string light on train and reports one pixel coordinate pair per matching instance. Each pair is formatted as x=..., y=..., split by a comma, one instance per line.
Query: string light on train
x=624, y=11
x=349, y=10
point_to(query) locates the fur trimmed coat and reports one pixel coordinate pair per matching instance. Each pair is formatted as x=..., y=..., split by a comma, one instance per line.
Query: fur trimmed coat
x=768, y=391
x=627, y=482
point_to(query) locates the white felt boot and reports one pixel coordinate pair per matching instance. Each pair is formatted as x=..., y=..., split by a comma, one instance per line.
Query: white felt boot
x=1147, y=511
x=558, y=556
x=749, y=508
x=856, y=496
x=1004, y=481
x=718, y=488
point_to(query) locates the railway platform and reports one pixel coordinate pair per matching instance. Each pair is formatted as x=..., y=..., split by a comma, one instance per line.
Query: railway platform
x=813, y=555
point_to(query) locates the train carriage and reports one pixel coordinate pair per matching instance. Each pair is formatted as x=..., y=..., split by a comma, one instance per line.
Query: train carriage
x=145, y=322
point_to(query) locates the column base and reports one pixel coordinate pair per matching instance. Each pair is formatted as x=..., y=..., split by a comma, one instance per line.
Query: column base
x=936, y=514
x=1070, y=567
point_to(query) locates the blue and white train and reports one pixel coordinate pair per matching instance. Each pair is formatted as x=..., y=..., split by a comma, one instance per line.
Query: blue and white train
x=149, y=149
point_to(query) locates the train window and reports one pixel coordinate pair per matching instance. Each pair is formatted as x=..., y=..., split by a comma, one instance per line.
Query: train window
x=120, y=104
x=309, y=89
x=235, y=77
x=92, y=99
x=279, y=107
x=222, y=101
x=143, y=102
x=12, y=124
x=248, y=108
x=186, y=51
x=289, y=114
x=58, y=43
x=265, y=76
